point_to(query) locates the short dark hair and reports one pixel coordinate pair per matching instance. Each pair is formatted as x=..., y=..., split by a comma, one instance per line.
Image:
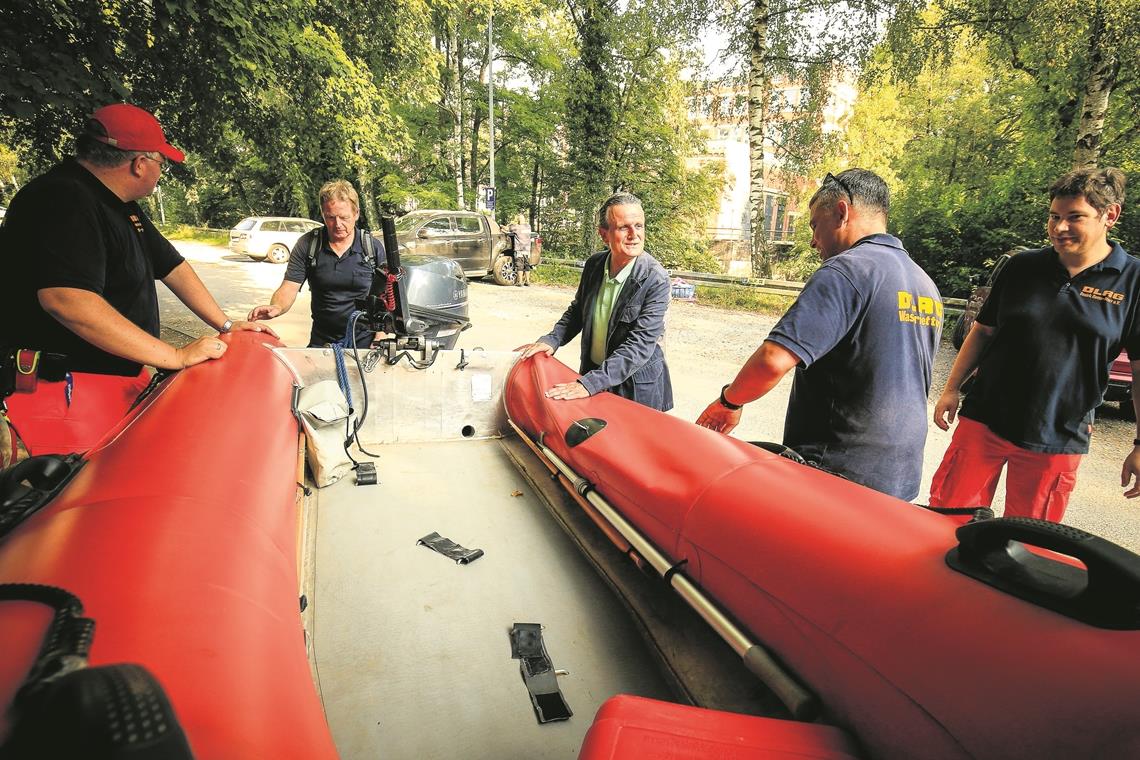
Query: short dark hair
x=617, y=199
x=1100, y=187
x=92, y=150
x=860, y=187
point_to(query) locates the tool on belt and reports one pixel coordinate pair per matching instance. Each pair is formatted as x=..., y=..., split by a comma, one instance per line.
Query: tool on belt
x=22, y=368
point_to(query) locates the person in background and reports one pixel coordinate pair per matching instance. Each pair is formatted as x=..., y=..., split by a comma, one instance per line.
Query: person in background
x=337, y=261
x=1042, y=346
x=619, y=308
x=519, y=230
x=861, y=337
x=79, y=318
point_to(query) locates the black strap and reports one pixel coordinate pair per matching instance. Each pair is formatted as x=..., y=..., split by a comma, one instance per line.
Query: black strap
x=449, y=548
x=538, y=673
x=975, y=513
x=367, y=242
x=155, y=380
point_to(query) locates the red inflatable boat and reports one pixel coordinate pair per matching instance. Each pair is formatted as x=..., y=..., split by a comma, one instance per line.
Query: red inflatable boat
x=851, y=589
x=185, y=555
x=179, y=536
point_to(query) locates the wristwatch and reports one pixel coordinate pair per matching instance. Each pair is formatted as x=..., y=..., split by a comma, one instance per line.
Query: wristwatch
x=726, y=403
x=225, y=328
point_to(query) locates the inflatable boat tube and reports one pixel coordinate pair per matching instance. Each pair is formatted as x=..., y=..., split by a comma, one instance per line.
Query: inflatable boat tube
x=850, y=589
x=179, y=537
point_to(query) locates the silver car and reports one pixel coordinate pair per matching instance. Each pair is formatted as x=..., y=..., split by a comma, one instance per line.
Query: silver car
x=269, y=238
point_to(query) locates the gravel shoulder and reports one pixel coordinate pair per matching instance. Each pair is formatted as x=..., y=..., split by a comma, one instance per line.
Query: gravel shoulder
x=704, y=346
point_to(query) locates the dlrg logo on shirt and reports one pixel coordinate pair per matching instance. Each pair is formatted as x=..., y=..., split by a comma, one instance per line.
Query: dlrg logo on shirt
x=1109, y=296
x=923, y=310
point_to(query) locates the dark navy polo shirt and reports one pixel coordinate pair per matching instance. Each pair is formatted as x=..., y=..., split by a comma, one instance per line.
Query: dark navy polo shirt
x=865, y=329
x=66, y=229
x=336, y=282
x=1046, y=369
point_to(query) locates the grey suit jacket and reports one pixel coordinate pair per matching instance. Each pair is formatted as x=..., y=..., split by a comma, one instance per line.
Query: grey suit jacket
x=635, y=364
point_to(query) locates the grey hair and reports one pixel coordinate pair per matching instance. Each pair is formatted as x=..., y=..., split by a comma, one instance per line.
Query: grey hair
x=339, y=190
x=91, y=149
x=860, y=187
x=617, y=199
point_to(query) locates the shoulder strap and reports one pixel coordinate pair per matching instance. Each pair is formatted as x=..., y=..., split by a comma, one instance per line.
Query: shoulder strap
x=369, y=244
x=314, y=246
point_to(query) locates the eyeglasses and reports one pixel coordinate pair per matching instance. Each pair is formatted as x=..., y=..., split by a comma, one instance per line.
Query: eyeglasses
x=842, y=186
x=161, y=160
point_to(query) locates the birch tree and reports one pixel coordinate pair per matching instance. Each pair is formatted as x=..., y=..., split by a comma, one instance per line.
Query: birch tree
x=808, y=42
x=1077, y=52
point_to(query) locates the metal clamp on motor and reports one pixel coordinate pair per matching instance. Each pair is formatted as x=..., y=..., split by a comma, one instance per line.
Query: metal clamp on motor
x=387, y=310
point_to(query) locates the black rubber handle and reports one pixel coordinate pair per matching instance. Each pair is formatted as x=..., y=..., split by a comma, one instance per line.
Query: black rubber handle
x=780, y=449
x=1104, y=593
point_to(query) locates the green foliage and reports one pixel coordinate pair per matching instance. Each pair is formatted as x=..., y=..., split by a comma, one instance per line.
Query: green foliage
x=556, y=274
x=739, y=298
x=969, y=143
x=195, y=234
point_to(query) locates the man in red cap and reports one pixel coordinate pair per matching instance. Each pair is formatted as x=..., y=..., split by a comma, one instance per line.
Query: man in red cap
x=79, y=314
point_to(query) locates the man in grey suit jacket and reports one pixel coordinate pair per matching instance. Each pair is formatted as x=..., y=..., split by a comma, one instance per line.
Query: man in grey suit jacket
x=620, y=311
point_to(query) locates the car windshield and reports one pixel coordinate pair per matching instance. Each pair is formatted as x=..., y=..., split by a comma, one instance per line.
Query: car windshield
x=408, y=221
x=246, y=224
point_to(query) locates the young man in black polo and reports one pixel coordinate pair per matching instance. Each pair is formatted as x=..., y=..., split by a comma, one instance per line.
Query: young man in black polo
x=1042, y=346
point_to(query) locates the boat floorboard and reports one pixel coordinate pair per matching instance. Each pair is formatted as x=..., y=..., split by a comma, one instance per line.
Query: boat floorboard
x=411, y=650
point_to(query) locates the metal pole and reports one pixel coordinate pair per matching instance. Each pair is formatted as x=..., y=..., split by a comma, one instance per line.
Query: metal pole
x=491, y=91
x=800, y=703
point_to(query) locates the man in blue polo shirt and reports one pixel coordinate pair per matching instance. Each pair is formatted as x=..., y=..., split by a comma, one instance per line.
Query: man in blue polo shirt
x=1042, y=346
x=861, y=337
x=339, y=272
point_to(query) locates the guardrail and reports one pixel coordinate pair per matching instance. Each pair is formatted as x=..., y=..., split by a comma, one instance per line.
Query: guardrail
x=953, y=306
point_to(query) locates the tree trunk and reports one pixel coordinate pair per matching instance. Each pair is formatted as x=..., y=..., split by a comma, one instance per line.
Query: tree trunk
x=535, y=188
x=368, y=200
x=592, y=114
x=454, y=106
x=1104, y=65
x=476, y=124
x=757, y=116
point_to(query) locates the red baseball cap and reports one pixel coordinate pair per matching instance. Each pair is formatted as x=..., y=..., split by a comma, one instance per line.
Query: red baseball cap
x=131, y=128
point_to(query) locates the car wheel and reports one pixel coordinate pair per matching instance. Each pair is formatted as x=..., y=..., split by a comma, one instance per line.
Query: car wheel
x=504, y=271
x=958, y=336
x=278, y=254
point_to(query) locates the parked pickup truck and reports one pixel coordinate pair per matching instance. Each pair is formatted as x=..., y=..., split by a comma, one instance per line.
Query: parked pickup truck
x=470, y=238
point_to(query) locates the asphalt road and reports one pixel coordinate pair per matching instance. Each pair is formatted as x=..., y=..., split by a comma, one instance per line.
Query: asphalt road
x=704, y=346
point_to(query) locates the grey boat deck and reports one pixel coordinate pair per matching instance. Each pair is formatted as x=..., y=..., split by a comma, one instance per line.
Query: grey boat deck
x=411, y=650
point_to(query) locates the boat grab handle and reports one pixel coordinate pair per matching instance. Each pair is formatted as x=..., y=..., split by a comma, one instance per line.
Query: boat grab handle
x=1104, y=593
x=28, y=486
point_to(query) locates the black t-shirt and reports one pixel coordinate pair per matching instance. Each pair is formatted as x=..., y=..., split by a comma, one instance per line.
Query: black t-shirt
x=1046, y=368
x=66, y=229
x=336, y=283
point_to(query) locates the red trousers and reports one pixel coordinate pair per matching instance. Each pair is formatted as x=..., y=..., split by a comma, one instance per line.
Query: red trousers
x=1036, y=484
x=49, y=425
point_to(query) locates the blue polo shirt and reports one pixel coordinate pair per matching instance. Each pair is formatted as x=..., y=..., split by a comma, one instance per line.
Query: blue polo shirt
x=865, y=329
x=336, y=282
x=1046, y=369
